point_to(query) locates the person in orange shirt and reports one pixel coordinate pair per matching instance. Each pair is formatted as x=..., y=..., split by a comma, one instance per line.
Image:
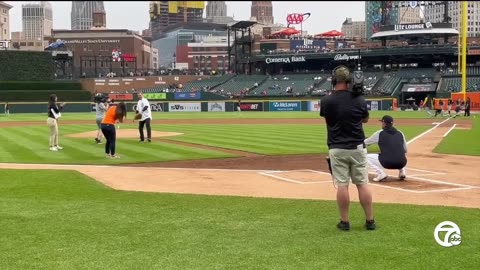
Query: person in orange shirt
x=113, y=115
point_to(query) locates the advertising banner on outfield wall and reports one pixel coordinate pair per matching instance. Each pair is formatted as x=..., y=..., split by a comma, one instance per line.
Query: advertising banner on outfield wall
x=216, y=106
x=185, y=95
x=184, y=107
x=155, y=107
x=285, y=106
x=314, y=106
x=155, y=96
x=251, y=106
x=374, y=105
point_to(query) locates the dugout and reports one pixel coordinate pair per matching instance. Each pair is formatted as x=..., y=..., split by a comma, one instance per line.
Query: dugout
x=417, y=92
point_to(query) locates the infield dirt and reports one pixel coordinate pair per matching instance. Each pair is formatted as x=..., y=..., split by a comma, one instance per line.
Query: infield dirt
x=433, y=179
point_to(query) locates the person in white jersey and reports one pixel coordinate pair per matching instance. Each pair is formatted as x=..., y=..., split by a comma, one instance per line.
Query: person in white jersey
x=143, y=107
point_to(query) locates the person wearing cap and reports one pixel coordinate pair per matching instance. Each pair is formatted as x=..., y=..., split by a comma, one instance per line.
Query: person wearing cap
x=393, y=149
x=143, y=107
x=345, y=113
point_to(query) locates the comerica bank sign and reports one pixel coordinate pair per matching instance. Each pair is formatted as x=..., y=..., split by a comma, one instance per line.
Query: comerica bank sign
x=288, y=60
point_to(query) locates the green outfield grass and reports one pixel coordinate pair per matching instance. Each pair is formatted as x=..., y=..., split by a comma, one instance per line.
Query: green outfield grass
x=212, y=115
x=462, y=142
x=64, y=220
x=30, y=144
x=268, y=139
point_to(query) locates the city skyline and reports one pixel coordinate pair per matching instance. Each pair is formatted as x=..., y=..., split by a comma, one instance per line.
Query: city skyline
x=328, y=19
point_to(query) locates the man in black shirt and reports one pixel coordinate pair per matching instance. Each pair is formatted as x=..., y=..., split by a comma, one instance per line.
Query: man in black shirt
x=393, y=148
x=344, y=114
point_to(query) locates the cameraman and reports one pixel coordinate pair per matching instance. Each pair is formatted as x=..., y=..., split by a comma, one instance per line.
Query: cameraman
x=101, y=107
x=344, y=112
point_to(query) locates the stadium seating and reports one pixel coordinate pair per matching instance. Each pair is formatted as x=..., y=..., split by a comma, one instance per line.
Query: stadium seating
x=388, y=85
x=239, y=83
x=453, y=71
x=277, y=85
x=455, y=84
x=414, y=73
x=205, y=84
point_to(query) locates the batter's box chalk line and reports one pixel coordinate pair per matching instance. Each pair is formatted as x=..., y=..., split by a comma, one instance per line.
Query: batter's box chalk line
x=286, y=179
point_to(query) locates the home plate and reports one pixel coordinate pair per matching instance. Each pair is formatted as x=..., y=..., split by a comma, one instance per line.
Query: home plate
x=124, y=133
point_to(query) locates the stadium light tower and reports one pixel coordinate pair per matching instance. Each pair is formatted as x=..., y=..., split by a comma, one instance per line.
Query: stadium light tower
x=464, y=49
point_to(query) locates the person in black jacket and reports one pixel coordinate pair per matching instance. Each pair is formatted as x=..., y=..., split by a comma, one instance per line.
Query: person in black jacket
x=344, y=114
x=393, y=149
x=52, y=121
x=450, y=102
x=467, y=107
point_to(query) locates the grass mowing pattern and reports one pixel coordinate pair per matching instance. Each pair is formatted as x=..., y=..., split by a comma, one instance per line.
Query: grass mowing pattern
x=30, y=145
x=210, y=115
x=462, y=142
x=268, y=139
x=64, y=220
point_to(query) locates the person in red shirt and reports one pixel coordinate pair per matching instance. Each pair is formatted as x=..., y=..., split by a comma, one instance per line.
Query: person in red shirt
x=113, y=115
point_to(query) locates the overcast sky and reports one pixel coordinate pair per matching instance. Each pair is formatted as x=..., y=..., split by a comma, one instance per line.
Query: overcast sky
x=131, y=15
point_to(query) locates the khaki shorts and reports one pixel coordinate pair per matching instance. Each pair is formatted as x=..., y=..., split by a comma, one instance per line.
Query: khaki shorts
x=349, y=164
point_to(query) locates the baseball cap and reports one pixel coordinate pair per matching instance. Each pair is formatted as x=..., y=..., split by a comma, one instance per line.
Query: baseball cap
x=342, y=74
x=387, y=119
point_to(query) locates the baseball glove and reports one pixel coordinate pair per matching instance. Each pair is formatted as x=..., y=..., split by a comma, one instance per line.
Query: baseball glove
x=138, y=116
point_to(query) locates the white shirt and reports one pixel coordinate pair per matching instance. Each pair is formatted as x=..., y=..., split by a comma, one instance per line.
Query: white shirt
x=148, y=112
x=375, y=136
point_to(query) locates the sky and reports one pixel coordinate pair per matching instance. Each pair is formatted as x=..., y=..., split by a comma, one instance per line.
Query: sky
x=133, y=15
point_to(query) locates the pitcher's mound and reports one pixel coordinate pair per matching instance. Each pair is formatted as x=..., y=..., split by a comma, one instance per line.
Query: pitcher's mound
x=125, y=133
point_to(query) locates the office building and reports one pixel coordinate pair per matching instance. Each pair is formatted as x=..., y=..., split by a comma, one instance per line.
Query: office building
x=164, y=14
x=4, y=21
x=353, y=29
x=409, y=15
x=262, y=12
x=37, y=20
x=435, y=14
x=82, y=14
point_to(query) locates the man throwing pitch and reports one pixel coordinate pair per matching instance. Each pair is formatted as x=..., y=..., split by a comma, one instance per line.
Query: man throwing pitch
x=143, y=107
x=344, y=114
x=393, y=149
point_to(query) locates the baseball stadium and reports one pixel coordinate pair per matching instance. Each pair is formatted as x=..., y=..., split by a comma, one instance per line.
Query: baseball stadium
x=235, y=175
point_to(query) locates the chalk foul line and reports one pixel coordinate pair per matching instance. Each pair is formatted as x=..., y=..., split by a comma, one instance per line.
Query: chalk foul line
x=428, y=131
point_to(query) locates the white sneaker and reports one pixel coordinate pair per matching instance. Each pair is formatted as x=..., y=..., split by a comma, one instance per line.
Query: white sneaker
x=381, y=177
x=59, y=147
x=53, y=148
x=402, y=175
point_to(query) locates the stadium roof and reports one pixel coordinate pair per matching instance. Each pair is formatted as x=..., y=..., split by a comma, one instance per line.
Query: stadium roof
x=243, y=25
x=196, y=26
x=434, y=31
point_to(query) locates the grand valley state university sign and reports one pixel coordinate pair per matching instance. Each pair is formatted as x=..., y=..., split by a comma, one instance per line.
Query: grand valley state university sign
x=288, y=60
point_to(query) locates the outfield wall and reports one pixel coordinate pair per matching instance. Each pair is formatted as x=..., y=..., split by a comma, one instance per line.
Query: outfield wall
x=204, y=106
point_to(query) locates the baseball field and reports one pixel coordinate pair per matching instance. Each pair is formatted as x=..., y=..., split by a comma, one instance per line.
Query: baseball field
x=229, y=191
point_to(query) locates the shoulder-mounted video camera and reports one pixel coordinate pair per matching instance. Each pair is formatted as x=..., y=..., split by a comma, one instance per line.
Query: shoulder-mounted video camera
x=356, y=81
x=100, y=98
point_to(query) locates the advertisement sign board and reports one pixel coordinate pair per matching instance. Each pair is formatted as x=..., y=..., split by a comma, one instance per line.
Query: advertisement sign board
x=187, y=95
x=216, y=106
x=155, y=96
x=285, y=106
x=124, y=97
x=314, y=106
x=184, y=107
x=251, y=106
x=307, y=44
